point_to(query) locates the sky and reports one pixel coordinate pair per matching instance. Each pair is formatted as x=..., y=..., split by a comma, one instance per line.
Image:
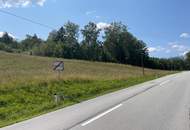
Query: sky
x=163, y=24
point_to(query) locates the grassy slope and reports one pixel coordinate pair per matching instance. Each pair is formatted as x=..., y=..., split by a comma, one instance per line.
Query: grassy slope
x=27, y=83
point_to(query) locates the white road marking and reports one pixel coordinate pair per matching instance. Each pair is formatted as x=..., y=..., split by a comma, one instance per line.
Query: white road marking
x=165, y=82
x=101, y=115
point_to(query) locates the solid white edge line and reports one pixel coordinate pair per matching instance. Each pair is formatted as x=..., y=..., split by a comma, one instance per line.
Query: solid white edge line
x=165, y=82
x=101, y=115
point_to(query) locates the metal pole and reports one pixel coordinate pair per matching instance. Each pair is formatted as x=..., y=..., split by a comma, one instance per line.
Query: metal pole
x=142, y=63
x=59, y=75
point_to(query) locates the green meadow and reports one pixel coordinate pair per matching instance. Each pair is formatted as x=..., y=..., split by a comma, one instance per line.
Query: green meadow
x=28, y=84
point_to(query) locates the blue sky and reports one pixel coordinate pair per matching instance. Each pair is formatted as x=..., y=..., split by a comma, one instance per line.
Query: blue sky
x=163, y=24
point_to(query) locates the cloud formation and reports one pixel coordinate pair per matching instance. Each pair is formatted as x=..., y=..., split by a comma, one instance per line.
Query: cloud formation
x=172, y=47
x=185, y=35
x=20, y=3
x=156, y=49
x=178, y=47
x=3, y=33
x=40, y=2
x=183, y=53
x=90, y=12
x=152, y=49
x=102, y=25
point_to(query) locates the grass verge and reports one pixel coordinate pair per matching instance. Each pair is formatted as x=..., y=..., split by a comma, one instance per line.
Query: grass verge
x=28, y=83
x=25, y=101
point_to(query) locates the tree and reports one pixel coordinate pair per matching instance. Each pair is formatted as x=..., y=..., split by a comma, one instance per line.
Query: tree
x=52, y=36
x=90, y=44
x=187, y=60
x=61, y=35
x=67, y=39
x=6, y=39
x=118, y=45
x=123, y=46
x=7, y=43
x=115, y=42
x=71, y=42
x=30, y=42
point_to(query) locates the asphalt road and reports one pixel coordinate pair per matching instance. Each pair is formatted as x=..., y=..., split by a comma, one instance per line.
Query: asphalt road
x=162, y=104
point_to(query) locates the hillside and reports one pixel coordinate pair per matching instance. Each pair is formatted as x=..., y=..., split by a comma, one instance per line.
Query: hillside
x=18, y=67
x=28, y=83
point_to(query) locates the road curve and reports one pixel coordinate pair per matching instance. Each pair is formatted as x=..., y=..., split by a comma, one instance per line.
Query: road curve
x=162, y=104
x=165, y=107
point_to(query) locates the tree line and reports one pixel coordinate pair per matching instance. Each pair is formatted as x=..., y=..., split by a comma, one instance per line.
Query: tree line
x=113, y=43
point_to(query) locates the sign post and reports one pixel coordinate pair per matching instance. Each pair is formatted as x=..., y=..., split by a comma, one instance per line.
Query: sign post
x=58, y=66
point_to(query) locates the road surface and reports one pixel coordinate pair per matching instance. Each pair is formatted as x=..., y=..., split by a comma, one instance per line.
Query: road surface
x=162, y=104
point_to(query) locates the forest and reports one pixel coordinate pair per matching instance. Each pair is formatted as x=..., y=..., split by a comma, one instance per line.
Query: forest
x=113, y=43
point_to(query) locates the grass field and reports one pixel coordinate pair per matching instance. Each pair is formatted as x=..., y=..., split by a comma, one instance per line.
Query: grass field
x=28, y=84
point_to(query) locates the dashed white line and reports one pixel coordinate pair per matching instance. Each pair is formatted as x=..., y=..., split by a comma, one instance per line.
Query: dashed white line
x=112, y=109
x=165, y=82
x=101, y=115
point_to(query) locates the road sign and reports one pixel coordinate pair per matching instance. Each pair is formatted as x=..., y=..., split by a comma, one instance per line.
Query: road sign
x=58, y=66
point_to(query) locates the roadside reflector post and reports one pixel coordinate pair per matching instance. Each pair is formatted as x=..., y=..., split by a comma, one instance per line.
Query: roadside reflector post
x=57, y=98
x=59, y=75
x=58, y=66
x=143, y=52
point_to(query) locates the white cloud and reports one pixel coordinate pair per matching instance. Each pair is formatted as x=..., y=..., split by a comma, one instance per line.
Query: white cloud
x=185, y=35
x=183, y=53
x=26, y=3
x=11, y=35
x=172, y=43
x=1, y=34
x=20, y=3
x=40, y=2
x=93, y=14
x=98, y=16
x=102, y=25
x=178, y=47
x=156, y=49
x=152, y=49
x=90, y=12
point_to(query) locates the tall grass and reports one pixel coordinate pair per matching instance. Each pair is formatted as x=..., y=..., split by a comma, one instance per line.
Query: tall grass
x=28, y=84
x=23, y=68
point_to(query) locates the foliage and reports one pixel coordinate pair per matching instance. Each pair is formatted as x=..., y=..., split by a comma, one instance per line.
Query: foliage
x=7, y=43
x=20, y=102
x=30, y=42
x=111, y=44
x=28, y=84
